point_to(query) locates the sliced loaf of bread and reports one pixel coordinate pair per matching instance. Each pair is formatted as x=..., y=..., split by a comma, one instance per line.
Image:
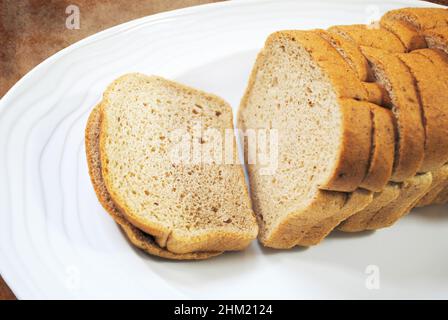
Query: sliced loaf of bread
x=301, y=87
x=190, y=206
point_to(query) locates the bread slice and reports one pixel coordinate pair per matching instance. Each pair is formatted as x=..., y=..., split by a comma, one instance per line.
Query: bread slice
x=380, y=170
x=369, y=36
x=411, y=191
x=433, y=96
x=359, y=221
x=189, y=206
x=356, y=201
x=382, y=150
x=409, y=37
x=419, y=18
x=437, y=38
x=440, y=60
x=350, y=52
x=349, y=158
x=393, y=74
x=137, y=237
x=353, y=56
x=296, y=87
x=439, y=182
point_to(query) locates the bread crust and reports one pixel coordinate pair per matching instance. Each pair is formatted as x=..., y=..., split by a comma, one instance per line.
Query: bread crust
x=383, y=149
x=351, y=165
x=175, y=241
x=369, y=36
x=411, y=191
x=409, y=37
x=356, y=201
x=137, y=237
x=419, y=18
x=291, y=228
x=437, y=38
x=409, y=150
x=439, y=58
x=359, y=221
x=350, y=52
x=439, y=182
x=433, y=95
x=442, y=196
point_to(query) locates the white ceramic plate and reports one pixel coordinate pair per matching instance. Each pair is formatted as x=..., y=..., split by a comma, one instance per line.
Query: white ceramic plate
x=56, y=241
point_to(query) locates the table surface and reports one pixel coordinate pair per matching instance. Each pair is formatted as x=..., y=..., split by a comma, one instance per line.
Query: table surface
x=35, y=29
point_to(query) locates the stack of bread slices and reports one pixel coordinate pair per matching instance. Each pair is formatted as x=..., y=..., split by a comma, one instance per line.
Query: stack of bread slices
x=362, y=118
x=168, y=208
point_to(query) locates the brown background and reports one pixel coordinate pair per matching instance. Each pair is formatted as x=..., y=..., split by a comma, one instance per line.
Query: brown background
x=32, y=30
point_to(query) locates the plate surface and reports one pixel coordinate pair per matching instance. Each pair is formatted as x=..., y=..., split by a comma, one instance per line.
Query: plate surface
x=56, y=241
